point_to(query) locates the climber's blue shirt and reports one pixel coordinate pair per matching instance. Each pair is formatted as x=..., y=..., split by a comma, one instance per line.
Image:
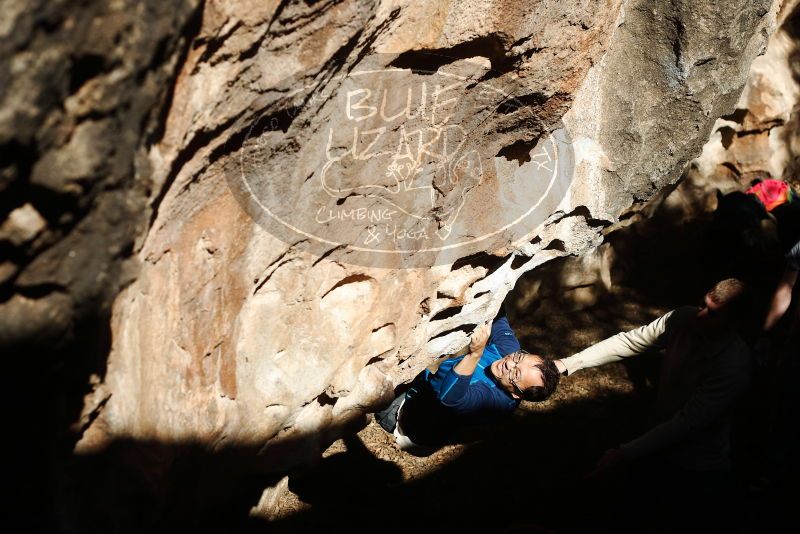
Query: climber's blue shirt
x=468, y=399
x=466, y=394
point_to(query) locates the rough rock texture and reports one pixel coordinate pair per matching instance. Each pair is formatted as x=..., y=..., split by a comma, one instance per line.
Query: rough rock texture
x=118, y=126
x=201, y=354
x=760, y=139
x=83, y=87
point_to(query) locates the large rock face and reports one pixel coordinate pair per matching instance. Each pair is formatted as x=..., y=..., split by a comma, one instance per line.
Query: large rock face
x=760, y=139
x=235, y=333
x=232, y=336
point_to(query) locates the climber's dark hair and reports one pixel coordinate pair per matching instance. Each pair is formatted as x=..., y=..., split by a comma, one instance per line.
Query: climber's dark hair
x=550, y=377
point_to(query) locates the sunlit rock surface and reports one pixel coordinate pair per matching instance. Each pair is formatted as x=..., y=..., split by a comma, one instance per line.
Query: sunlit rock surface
x=231, y=336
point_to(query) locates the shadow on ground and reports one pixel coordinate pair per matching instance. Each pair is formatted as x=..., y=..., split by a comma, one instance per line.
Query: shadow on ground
x=525, y=475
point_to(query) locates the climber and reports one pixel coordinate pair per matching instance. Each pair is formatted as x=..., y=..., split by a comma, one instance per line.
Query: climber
x=706, y=367
x=472, y=391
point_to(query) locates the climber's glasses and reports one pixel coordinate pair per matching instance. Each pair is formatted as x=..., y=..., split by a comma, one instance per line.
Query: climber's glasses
x=515, y=374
